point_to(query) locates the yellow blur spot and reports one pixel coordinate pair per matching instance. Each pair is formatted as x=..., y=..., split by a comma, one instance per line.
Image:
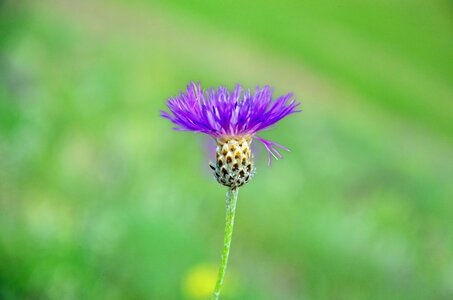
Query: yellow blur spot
x=200, y=281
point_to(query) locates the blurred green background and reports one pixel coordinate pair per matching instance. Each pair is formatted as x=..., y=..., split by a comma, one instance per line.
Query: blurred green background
x=99, y=199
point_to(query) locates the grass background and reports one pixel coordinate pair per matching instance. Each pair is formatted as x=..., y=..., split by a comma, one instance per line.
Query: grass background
x=99, y=199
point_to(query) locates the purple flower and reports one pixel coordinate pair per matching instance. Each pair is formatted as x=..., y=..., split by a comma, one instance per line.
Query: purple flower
x=229, y=115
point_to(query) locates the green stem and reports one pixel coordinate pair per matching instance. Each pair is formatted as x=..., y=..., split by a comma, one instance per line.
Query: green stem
x=231, y=200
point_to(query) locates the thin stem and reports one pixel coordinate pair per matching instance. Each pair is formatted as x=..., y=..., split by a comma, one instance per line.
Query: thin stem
x=231, y=200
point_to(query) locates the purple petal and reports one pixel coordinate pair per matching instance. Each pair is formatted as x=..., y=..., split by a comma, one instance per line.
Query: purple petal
x=271, y=150
x=219, y=112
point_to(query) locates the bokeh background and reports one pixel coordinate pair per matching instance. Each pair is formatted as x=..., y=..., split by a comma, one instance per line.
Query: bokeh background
x=99, y=199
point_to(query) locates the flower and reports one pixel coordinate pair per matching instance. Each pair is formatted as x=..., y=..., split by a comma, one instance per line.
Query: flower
x=233, y=119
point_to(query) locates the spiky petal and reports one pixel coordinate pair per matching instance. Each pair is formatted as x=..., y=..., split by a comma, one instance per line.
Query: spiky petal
x=226, y=115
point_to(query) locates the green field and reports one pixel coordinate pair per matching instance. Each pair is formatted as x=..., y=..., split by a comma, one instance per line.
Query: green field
x=100, y=199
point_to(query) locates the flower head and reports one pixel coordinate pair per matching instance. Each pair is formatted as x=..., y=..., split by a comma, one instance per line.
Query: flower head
x=232, y=118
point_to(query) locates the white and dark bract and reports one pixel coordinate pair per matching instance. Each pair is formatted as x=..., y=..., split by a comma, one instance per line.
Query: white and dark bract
x=234, y=162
